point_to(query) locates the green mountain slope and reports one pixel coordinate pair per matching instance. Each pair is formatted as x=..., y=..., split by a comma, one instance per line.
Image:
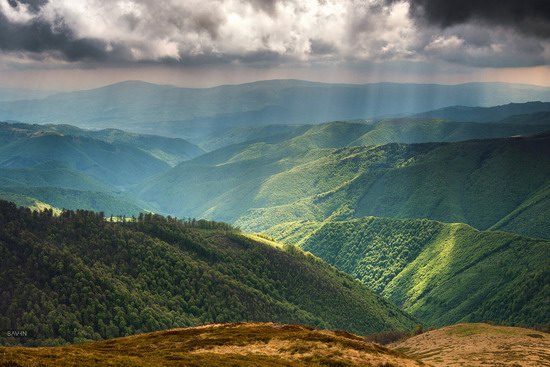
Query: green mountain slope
x=81, y=277
x=111, y=203
x=115, y=164
x=50, y=173
x=532, y=118
x=261, y=185
x=486, y=114
x=217, y=139
x=477, y=182
x=441, y=273
x=409, y=131
x=531, y=217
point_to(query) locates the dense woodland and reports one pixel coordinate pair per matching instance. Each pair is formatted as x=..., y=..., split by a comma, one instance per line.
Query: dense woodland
x=441, y=273
x=81, y=276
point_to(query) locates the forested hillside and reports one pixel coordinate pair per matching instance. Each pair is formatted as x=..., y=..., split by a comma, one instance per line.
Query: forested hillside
x=488, y=114
x=78, y=276
x=479, y=182
x=441, y=273
x=124, y=173
x=68, y=167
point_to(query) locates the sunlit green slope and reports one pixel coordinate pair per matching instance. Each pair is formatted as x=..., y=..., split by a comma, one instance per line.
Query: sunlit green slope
x=111, y=203
x=441, y=273
x=475, y=182
x=409, y=130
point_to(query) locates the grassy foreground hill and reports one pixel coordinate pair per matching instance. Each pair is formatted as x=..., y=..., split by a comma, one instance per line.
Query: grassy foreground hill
x=479, y=345
x=250, y=344
x=269, y=344
x=78, y=277
x=441, y=273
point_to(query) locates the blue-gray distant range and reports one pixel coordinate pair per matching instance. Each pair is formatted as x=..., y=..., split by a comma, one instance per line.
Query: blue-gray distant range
x=194, y=112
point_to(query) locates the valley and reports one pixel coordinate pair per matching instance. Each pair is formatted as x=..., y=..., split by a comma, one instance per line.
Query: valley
x=440, y=273
x=368, y=225
x=327, y=183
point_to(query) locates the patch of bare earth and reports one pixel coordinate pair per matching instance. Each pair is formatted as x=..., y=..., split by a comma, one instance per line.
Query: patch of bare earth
x=479, y=345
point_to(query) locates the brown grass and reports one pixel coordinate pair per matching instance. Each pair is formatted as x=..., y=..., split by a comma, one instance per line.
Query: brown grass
x=238, y=344
x=479, y=345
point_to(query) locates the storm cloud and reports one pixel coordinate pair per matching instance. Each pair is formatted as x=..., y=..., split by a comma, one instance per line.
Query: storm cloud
x=275, y=32
x=530, y=17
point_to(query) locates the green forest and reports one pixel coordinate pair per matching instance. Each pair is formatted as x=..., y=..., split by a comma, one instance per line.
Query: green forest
x=83, y=276
x=440, y=273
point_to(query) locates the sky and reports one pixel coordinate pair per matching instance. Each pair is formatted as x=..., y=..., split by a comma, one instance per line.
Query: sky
x=79, y=44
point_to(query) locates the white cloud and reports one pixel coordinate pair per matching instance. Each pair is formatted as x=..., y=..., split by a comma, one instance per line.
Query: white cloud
x=272, y=31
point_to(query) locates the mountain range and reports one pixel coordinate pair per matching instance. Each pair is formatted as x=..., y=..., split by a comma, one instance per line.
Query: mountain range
x=194, y=113
x=437, y=217
x=484, y=183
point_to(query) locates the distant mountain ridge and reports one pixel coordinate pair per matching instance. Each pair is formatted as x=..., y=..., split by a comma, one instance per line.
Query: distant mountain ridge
x=188, y=112
x=8, y=94
x=505, y=113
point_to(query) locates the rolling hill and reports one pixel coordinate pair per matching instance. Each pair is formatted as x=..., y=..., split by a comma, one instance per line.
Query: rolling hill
x=245, y=344
x=68, y=167
x=487, y=114
x=269, y=344
x=53, y=174
x=54, y=184
x=257, y=186
x=479, y=345
x=186, y=112
x=441, y=273
x=111, y=203
x=81, y=277
x=114, y=164
x=169, y=150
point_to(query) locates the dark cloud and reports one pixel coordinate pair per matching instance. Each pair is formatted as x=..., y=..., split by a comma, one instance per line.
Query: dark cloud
x=193, y=32
x=38, y=36
x=321, y=47
x=530, y=17
x=34, y=5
